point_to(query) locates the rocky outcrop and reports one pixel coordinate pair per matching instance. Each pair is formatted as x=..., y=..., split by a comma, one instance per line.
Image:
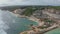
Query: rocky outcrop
x=19, y=11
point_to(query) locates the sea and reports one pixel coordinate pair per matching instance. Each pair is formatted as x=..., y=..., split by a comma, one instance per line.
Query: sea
x=12, y=24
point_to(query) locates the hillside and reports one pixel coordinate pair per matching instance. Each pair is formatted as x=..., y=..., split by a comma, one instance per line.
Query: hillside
x=47, y=17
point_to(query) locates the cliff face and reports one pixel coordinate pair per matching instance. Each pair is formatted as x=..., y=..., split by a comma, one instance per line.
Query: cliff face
x=38, y=12
x=19, y=11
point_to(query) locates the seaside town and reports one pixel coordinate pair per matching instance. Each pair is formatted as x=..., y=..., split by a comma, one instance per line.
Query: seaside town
x=29, y=16
x=47, y=18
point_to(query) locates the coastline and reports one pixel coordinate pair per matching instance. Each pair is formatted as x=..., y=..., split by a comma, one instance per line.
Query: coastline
x=33, y=19
x=27, y=31
x=30, y=18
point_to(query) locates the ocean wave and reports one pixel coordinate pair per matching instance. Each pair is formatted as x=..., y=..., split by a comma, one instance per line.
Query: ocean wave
x=3, y=25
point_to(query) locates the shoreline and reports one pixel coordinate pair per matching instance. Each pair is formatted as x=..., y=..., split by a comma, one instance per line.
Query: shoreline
x=40, y=30
x=30, y=18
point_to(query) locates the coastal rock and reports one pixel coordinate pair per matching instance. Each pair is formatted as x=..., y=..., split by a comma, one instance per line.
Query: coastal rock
x=19, y=11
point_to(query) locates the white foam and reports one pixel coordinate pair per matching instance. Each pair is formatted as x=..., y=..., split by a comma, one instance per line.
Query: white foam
x=3, y=25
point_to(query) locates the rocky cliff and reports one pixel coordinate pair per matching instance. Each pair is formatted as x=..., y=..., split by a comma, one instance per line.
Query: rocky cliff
x=39, y=12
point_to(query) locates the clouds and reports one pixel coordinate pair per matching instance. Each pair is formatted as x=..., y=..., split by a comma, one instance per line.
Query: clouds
x=10, y=2
x=29, y=2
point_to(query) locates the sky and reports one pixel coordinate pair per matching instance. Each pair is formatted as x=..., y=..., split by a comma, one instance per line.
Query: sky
x=29, y=2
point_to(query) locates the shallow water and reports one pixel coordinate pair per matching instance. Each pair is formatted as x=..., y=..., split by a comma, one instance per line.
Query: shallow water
x=55, y=31
x=11, y=24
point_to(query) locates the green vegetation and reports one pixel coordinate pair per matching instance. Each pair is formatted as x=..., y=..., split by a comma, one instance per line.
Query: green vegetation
x=11, y=8
x=48, y=20
x=29, y=11
x=55, y=7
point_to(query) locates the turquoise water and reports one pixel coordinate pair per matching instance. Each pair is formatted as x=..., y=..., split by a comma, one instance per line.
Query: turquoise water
x=11, y=24
x=55, y=31
x=15, y=24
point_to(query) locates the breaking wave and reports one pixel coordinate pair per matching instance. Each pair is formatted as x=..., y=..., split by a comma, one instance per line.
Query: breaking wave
x=3, y=25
